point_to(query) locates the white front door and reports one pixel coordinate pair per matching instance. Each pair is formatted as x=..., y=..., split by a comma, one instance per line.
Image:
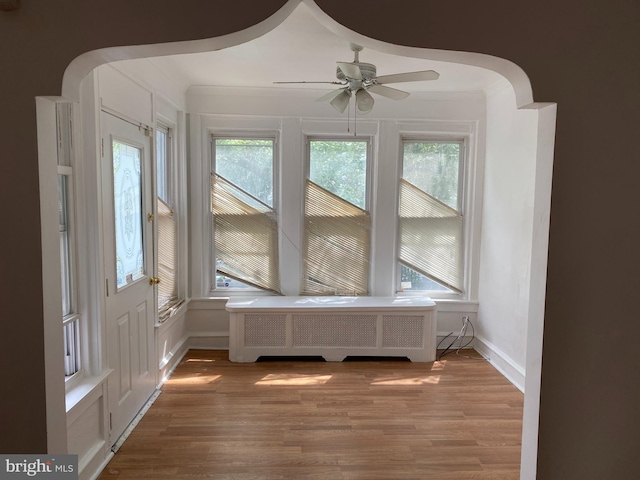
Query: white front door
x=128, y=260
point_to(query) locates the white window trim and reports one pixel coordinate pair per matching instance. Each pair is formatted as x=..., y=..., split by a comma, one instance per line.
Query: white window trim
x=463, y=186
x=178, y=204
x=203, y=276
x=471, y=191
x=369, y=190
x=385, y=143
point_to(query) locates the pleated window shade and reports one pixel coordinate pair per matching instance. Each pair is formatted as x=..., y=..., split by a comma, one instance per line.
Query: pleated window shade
x=245, y=236
x=337, y=245
x=167, y=261
x=430, y=236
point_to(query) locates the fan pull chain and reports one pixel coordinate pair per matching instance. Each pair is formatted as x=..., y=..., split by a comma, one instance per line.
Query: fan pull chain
x=355, y=118
x=349, y=116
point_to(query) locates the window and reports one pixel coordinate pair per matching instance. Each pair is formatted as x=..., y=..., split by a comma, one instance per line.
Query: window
x=70, y=317
x=337, y=223
x=245, y=228
x=316, y=211
x=430, y=216
x=167, y=225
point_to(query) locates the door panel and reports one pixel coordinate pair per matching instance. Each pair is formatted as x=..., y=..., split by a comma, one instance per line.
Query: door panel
x=128, y=241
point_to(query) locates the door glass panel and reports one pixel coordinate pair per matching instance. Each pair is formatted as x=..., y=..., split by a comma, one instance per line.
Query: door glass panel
x=127, y=194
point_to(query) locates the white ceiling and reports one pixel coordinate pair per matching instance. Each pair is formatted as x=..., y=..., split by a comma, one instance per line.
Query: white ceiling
x=302, y=49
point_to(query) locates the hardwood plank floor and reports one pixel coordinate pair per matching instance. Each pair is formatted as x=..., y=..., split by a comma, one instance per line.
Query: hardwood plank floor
x=375, y=420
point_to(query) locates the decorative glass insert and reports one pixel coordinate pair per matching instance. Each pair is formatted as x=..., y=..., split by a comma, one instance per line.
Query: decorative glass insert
x=129, y=224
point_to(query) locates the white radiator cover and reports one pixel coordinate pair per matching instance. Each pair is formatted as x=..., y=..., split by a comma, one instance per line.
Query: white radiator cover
x=332, y=327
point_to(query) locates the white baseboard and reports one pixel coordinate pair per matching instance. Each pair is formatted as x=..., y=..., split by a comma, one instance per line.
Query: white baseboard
x=501, y=362
x=97, y=471
x=443, y=340
x=208, y=340
x=170, y=361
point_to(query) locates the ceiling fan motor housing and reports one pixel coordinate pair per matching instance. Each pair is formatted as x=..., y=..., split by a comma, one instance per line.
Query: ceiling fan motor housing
x=367, y=70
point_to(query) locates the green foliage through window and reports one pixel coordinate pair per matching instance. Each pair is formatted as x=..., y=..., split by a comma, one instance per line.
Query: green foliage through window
x=434, y=167
x=341, y=167
x=247, y=163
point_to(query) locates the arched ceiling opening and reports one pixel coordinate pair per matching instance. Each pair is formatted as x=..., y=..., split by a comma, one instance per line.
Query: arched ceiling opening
x=301, y=43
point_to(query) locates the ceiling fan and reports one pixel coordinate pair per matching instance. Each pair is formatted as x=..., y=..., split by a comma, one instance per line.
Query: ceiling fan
x=358, y=78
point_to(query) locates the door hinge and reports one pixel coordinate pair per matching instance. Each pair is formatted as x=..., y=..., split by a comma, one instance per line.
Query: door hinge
x=106, y=282
x=102, y=147
x=149, y=217
x=110, y=421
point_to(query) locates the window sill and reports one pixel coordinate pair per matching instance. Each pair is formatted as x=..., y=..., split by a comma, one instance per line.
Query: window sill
x=84, y=388
x=179, y=313
x=451, y=305
x=444, y=304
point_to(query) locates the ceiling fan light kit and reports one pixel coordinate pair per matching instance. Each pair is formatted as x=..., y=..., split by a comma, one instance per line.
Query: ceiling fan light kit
x=358, y=79
x=364, y=101
x=341, y=101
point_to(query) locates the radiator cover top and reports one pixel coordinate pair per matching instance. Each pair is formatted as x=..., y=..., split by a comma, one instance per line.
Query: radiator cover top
x=333, y=327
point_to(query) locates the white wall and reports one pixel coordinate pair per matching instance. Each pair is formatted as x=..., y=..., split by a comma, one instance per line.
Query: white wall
x=502, y=205
x=140, y=92
x=507, y=233
x=217, y=109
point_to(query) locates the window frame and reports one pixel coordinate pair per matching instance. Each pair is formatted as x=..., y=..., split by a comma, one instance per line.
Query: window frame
x=369, y=199
x=291, y=171
x=169, y=167
x=72, y=318
x=369, y=194
x=464, y=197
x=251, y=134
x=172, y=177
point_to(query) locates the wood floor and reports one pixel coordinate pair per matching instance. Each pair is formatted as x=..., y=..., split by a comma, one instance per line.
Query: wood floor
x=375, y=419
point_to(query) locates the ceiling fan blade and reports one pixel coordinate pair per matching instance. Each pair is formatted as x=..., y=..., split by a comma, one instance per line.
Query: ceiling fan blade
x=408, y=77
x=350, y=70
x=304, y=81
x=392, y=93
x=331, y=95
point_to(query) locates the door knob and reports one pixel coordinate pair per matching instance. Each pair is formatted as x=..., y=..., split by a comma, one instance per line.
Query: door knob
x=154, y=280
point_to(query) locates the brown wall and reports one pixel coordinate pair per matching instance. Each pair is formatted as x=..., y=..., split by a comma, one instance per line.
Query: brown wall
x=582, y=54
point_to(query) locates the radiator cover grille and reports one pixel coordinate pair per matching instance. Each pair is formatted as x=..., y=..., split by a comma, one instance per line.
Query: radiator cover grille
x=402, y=331
x=265, y=330
x=334, y=330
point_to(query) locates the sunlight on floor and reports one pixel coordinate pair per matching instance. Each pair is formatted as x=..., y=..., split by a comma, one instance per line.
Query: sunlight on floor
x=407, y=381
x=199, y=380
x=291, y=379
